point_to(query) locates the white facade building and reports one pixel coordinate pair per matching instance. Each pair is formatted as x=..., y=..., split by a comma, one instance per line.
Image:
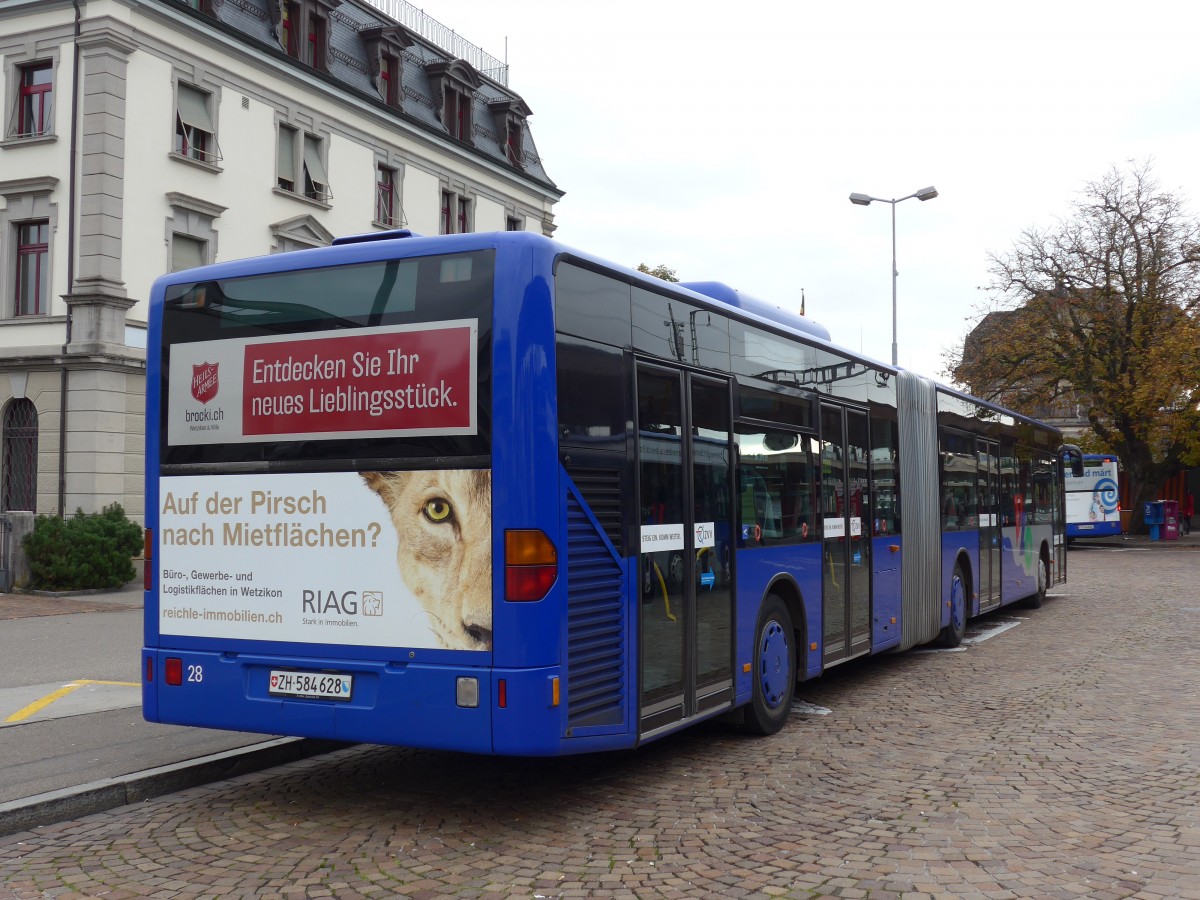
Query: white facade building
x=143, y=136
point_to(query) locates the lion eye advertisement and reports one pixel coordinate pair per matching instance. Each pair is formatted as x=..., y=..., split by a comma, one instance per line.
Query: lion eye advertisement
x=379, y=559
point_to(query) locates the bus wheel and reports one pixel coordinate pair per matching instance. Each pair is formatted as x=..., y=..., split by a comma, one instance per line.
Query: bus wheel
x=774, y=668
x=1043, y=577
x=952, y=634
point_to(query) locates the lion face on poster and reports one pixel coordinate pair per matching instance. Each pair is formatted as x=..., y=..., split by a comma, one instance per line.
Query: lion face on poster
x=443, y=522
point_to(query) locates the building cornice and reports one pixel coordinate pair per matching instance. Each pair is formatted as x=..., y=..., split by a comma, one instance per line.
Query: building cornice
x=37, y=184
x=195, y=204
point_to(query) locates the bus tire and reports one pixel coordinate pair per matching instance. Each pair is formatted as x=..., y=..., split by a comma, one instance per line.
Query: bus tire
x=1043, y=583
x=774, y=668
x=952, y=633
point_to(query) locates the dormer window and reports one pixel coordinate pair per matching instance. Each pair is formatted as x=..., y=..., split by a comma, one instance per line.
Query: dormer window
x=385, y=51
x=208, y=7
x=317, y=43
x=389, y=79
x=455, y=84
x=303, y=30
x=509, y=118
x=456, y=113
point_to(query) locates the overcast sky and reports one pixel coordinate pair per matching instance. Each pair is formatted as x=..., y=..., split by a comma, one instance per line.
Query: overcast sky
x=723, y=140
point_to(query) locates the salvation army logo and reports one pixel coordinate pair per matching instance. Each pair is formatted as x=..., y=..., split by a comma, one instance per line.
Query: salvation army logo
x=205, y=382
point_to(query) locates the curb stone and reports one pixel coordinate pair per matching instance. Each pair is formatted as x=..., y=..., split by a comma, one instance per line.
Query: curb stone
x=71, y=803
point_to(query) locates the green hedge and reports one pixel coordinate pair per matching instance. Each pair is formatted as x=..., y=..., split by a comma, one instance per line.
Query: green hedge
x=86, y=551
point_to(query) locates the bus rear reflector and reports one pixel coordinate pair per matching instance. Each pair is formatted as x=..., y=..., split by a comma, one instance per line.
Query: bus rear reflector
x=148, y=562
x=530, y=564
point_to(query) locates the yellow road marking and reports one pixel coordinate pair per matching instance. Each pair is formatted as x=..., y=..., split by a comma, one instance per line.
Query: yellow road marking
x=40, y=704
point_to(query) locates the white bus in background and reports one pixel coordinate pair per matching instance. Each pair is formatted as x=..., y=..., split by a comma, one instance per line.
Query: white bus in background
x=1093, y=501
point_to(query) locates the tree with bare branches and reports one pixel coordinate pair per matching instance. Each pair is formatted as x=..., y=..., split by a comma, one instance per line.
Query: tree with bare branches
x=1102, y=309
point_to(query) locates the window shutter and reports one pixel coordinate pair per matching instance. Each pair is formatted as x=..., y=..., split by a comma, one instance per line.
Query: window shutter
x=285, y=159
x=312, y=159
x=186, y=252
x=193, y=109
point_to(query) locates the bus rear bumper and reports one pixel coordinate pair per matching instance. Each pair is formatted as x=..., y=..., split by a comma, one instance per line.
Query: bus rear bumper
x=412, y=705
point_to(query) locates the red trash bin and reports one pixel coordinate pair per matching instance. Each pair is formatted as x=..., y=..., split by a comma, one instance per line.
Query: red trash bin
x=1170, y=529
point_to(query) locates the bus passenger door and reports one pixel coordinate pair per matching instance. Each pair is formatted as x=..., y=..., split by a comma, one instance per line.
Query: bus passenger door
x=685, y=564
x=988, y=455
x=846, y=564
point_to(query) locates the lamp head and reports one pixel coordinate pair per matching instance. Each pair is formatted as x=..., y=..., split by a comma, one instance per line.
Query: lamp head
x=927, y=193
x=864, y=199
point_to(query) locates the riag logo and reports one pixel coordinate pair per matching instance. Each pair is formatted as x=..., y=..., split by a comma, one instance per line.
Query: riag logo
x=205, y=381
x=348, y=603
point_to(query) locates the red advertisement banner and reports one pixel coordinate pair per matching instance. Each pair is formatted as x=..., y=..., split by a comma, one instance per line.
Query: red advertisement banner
x=413, y=380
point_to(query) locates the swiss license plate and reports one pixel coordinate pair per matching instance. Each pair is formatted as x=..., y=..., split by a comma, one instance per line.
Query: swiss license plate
x=321, y=685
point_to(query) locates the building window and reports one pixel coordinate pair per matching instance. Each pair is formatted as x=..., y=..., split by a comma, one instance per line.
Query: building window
x=187, y=252
x=512, y=223
x=35, y=99
x=195, y=134
x=191, y=231
x=509, y=117
x=316, y=182
x=512, y=143
x=456, y=115
x=384, y=47
x=389, y=79
x=304, y=30
x=385, y=196
x=33, y=271
x=20, y=456
x=301, y=172
x=288, y=25
x=456, y=213
x=455, y=83
x=205, y=6
x=314, y=50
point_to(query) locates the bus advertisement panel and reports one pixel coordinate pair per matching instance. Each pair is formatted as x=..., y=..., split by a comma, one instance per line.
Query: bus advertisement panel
x=317, y=558
x=385, y=381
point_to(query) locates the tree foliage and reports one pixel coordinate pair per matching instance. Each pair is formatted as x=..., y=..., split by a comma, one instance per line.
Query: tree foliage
x=659, y=271
x=1102, y=310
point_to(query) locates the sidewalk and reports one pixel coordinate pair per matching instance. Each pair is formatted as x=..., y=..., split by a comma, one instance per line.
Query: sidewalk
x=1190, y=541
x=21, y=606
x=96, y=760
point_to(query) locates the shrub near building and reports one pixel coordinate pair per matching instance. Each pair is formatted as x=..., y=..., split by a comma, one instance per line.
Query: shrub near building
x=83, y=552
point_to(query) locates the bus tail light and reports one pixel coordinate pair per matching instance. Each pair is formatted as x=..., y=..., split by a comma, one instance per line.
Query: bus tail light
x=148, y=562
x=173, y=671
x=530, y=564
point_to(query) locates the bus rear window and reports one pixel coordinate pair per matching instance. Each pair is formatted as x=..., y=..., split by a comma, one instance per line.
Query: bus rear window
x=378, y=360
x=372, y=293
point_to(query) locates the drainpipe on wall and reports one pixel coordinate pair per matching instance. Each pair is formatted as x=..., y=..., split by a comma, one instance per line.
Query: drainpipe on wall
x=64, y=374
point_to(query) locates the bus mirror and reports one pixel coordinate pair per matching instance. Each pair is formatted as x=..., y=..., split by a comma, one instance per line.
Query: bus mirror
x=1072, y=456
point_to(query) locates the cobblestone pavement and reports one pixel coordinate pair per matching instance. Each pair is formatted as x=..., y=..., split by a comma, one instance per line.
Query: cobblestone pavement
x=1057, y=759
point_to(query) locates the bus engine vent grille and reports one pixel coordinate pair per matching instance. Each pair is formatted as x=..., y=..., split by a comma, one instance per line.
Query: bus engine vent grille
x=601, y=488
x=595, y=627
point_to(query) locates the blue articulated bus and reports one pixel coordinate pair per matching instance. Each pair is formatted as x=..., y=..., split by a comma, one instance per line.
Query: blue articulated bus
x=1093, y=498
x=487, y=493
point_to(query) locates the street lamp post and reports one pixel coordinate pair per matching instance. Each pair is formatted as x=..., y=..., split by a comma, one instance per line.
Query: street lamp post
x=865, y=200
